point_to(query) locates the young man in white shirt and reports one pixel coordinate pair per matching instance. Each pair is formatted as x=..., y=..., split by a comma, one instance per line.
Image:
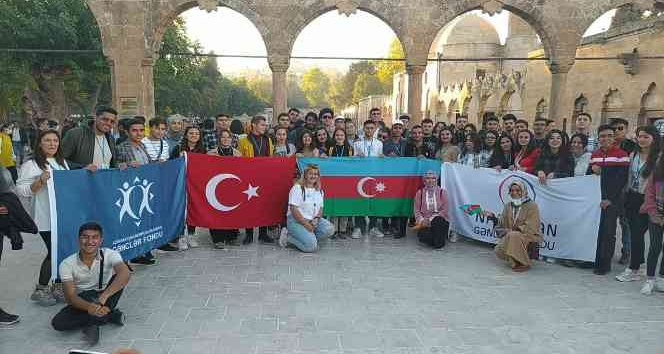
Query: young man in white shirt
x=93, y=278
x=155, y=144
x=367, y=146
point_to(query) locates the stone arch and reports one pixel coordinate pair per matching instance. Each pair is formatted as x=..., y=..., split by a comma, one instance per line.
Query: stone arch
x=613, y=105
x=599, y=8
x=103, y=24
x=532, y=15
x=387, y=13
x=169, y=13
x=652, y=105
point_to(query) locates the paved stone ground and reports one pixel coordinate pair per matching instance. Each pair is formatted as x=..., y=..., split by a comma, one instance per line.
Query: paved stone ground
x=371, y=296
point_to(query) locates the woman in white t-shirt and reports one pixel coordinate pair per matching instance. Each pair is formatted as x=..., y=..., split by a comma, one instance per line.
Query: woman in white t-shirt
x=31, y=183
x=305, y=222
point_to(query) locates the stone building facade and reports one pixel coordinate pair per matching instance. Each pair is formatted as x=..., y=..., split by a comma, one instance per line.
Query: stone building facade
x=132, y=31
x=623, y=85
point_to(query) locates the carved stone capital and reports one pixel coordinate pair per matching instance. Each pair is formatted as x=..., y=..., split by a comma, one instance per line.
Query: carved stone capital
x=415, y=69
x=492, y=7
x=347, y=7
x=560, y=67
x=279, y=63
x=208, y=5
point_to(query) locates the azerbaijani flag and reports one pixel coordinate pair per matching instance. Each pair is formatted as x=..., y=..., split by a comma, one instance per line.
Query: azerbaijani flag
x=382, y=187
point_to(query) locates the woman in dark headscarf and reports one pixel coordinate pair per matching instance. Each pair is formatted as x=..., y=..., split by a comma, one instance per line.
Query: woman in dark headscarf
x=517, y=227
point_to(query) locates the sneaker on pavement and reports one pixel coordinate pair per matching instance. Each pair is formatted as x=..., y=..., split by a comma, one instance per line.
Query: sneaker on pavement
x=659, y=284
x=92, y=334
x=220, y=245
x=357, y=233
x=454, y=237
x=58, y=292
x=143, y=260
x=376, y=233
x=192, y=241
x=182, y=243
x=283, y=237
x=648, y=287
x=7, y=319
x=628, y=275
x=43, y=296
x=168, y=248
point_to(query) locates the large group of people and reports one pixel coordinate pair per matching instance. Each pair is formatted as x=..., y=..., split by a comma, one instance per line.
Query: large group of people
x=91, y=281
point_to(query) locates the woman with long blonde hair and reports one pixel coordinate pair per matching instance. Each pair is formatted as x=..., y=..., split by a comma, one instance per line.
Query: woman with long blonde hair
x=305, y=222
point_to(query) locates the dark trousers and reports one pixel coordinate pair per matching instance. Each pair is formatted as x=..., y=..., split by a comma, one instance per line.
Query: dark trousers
x=223, y=235
x=397, y=223
x=638, y=225
x=435, y=235
x=262, y=232
x=361, y=222
x=656, y=232
x=70, y=318
x=45, y=270
x=606, y=238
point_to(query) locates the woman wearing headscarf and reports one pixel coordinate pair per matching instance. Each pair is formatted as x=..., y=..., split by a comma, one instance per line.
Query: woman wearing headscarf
x=175, y=129
x=431, y=212
x=517, y=227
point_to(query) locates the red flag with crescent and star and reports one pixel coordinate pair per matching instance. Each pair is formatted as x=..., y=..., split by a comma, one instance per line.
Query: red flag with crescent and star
x=237, y=192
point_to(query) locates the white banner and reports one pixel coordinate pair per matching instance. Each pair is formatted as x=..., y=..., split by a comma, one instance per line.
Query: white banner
x=569, y=207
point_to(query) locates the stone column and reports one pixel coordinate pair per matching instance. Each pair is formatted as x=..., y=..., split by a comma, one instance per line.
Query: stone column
x=279, y=66
x=558, y=89
x=132, y=86
x=415, y=91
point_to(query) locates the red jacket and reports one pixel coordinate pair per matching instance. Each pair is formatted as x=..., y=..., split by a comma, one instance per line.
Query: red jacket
x=528, y=162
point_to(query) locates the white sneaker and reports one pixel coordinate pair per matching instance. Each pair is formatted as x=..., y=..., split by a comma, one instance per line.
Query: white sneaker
x=659, y=284
x=375, y=232
x=628, y=275
x=357, y=233
x=454, y=237
x=648, y=287
x=192, y=241
x=283, y=237
x=182, y=243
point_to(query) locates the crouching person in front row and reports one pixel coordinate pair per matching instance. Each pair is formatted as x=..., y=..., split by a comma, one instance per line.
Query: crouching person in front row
x=93, y=279
x=517, y=228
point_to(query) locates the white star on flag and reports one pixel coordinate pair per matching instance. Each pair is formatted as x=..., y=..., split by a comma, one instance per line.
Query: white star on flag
x=380, y=187
x=251, y=192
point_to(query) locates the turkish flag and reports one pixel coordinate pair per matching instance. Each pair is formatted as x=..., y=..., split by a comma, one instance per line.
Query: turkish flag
x=237, y=192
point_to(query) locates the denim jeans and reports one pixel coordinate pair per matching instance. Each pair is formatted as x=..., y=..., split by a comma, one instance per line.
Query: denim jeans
x=307, y=241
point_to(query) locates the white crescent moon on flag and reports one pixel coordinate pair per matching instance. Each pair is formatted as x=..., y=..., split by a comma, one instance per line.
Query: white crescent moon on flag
x=360, y=187
x=211, y=192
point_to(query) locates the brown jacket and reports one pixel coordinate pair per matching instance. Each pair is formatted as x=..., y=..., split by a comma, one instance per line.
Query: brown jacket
x=527, y=222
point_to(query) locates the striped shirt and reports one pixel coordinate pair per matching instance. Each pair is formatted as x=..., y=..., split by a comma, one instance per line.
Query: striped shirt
x=157, y=150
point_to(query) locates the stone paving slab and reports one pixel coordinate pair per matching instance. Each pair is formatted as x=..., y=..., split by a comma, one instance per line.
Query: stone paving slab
x=354, y=296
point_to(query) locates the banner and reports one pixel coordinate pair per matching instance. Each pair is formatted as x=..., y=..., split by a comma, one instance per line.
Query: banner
x=380, y=186
x=139, y=209
x=237, y=192
x=569, y=208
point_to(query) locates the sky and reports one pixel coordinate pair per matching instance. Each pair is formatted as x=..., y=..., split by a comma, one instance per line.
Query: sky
x=331, y=34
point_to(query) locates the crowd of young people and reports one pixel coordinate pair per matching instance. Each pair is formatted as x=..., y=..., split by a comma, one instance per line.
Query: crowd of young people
x=631, y=173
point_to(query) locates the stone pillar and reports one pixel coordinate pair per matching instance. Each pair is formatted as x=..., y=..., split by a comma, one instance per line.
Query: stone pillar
x=279, y=66
x=415, y=91
x=558, y=88
x=133, y=87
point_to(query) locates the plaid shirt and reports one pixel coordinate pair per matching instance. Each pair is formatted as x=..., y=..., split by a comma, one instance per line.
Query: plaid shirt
x=125, y=153
x=211, y=140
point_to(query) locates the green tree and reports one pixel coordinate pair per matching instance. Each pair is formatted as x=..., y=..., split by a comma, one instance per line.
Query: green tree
x=58, y=80
x=315, y=85
x=385, y=70
x=296, y=97
x=366, y=85
x=260, y=85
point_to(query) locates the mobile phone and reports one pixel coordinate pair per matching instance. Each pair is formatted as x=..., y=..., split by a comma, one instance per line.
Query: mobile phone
x=80, y=351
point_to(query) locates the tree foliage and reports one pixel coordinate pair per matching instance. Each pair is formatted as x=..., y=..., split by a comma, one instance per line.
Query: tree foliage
x=315, y=85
